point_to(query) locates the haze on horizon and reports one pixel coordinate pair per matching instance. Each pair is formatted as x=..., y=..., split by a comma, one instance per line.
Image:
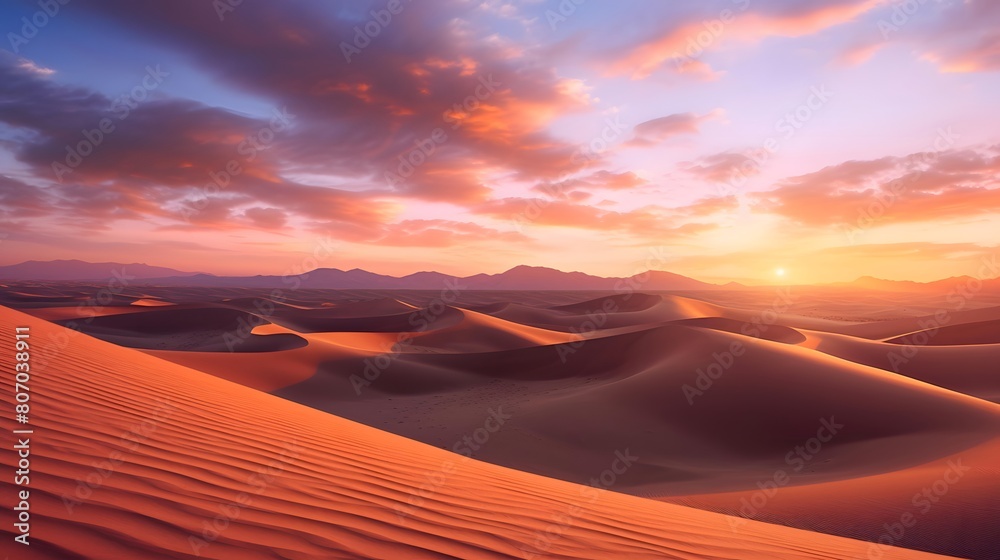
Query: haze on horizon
x=812, y=141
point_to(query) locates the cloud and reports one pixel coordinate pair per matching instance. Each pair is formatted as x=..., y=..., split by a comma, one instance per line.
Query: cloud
x=162, y=157
x=363, y=113
x=266, y=218
x=18, y=199
x=966, y=38
x=648, y=223
x=445, y=233
x=681, y=45
x=916, y=188
x=859, y=53
x=917, y=250
x=722, y=167
x=30, y=66
x=406, y=118
x=601, y=180
x=957, y=37
x=657, y=130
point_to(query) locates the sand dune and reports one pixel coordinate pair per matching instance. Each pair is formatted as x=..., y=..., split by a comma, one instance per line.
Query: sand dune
x=27, y=297
x=330, y=320
x=187, y=327
x=981, y=332
x=186, y=452
x=369, y=308
x=77, y=313
x=633, y=309
x=776, y=333
x=709, y=399
x=946, y=316
x=607, y=312
x=951, y=503
x=963, y=368
x=150, y=302
x=477, y=332
x=348, y=351
x=627, y=390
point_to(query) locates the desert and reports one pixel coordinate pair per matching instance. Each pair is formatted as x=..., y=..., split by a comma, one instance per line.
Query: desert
x=692, y=401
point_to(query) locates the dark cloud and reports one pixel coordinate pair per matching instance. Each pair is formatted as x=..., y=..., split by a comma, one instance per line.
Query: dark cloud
x=358, y=117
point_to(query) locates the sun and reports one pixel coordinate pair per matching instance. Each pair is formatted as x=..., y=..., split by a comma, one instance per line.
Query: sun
x=780, y=272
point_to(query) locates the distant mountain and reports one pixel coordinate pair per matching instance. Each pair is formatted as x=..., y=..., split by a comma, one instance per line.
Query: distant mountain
x=969, y=283
x=537, y=278
x=872, y=283
x=662, y=280
x=425, y=280
x=80, y=270
x=517, y=278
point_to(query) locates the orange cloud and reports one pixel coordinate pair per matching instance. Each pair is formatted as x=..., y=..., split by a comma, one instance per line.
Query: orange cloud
x=957, y=37
x=445, y=233
x=916, y=188
x=685, y=43
x=577, y=188
x=649, y=222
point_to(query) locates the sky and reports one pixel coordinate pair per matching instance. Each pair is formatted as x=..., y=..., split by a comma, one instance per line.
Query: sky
x=722, y=139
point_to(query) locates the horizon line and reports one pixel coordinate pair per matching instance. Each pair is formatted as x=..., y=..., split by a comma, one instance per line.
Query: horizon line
x=718, y=283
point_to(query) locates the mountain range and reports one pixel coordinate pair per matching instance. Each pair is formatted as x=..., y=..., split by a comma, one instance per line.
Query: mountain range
x=84, y=271
x=518, y=278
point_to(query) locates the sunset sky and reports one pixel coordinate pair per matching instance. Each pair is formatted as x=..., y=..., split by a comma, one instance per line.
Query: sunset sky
x=722, y=140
